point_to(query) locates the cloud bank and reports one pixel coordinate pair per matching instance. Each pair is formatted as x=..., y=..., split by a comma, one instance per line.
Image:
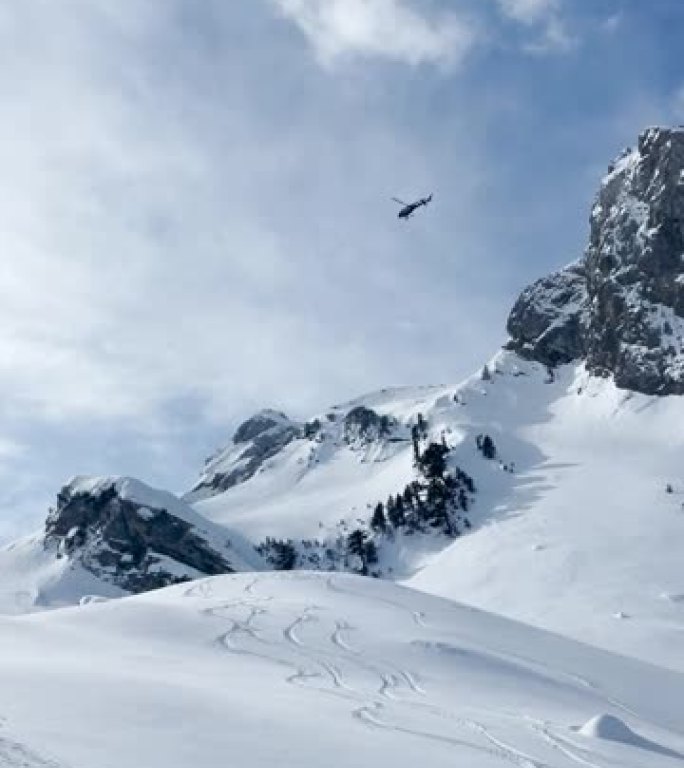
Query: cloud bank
x=391, y=29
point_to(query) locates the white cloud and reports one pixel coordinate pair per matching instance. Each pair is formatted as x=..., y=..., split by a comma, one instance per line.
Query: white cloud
x=390, y=29
x=529, y=11
x=158, y=241
x=554, y=38
x=544, y=16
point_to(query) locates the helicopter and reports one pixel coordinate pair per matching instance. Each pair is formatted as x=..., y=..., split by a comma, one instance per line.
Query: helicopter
x=409, y=208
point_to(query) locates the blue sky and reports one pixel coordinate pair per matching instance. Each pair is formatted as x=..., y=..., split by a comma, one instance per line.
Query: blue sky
x=195, y=212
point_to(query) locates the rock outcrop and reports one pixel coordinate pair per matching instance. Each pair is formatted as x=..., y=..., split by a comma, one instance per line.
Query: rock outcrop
x=547, y=322
x=363, y=426
x=135, y=537
x=621, y=308
x=256, y=440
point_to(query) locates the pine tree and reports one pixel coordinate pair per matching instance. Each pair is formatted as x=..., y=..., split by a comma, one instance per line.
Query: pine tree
x=433, y=461
x=422, y=426
x=357, y=545
x=415, y=439
x=371, y=552
x=395, y=512
x=379, y=521
x=488, y=448
x=399, y=504
x=408, y=497
x=284, y=554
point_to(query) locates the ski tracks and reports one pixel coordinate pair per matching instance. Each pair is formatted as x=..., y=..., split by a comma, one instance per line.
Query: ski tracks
x=371, y=716
x=562, y=745
x=417, y=617
x=324, y=660
x=337, y=639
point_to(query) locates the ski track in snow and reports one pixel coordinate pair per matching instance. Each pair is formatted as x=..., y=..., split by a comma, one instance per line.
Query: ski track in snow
x=368, y=715
x=201, y=589
x=571, y=751
x=346, y=672
x=417, y=617
x=310, y=663
x=249, y=587
x=485, y=692
x=337, y=639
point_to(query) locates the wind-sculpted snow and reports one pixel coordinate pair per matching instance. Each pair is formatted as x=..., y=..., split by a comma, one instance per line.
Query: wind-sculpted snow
x=308, y=668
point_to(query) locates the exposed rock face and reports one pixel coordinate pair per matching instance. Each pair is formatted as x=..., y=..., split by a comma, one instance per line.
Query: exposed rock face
x=364, y=425
x=621, y=308
x=255, y=441
x=264, y=421
x=130, y=535
x=547, y=321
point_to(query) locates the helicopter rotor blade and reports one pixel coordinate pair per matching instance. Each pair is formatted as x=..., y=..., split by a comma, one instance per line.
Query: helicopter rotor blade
x=397, y=200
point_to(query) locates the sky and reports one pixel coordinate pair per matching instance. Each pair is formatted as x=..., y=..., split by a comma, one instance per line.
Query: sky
x=196, y=218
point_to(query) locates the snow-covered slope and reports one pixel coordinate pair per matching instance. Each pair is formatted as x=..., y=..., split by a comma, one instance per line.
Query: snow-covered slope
x=548, y=487
x=311, y=669
x=33, y=578
x=328, y=474
x=584, y=539
x=572, y=525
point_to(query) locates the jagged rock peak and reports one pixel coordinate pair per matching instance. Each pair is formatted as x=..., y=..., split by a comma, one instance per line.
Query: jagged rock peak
x=261, y=422
x=621, y=308
x=134, y=536
x=255, y=441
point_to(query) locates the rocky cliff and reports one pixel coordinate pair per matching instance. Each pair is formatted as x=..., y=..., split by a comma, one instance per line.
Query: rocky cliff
x=135, y=537
x=621, y=307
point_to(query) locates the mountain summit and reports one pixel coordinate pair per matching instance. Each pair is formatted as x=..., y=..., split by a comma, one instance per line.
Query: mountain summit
x=621, y=308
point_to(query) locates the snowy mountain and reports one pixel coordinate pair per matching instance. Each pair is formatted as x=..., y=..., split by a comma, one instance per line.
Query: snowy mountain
x=110, y=537
x=571, y=525
x=575, y=522
x=547, y=487
x=306, y=669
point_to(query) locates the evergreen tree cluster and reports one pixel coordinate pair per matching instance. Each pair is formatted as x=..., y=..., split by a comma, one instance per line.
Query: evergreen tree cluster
x=438, y=500
x=312, y=428
x=280, y=553
x=362, y=546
